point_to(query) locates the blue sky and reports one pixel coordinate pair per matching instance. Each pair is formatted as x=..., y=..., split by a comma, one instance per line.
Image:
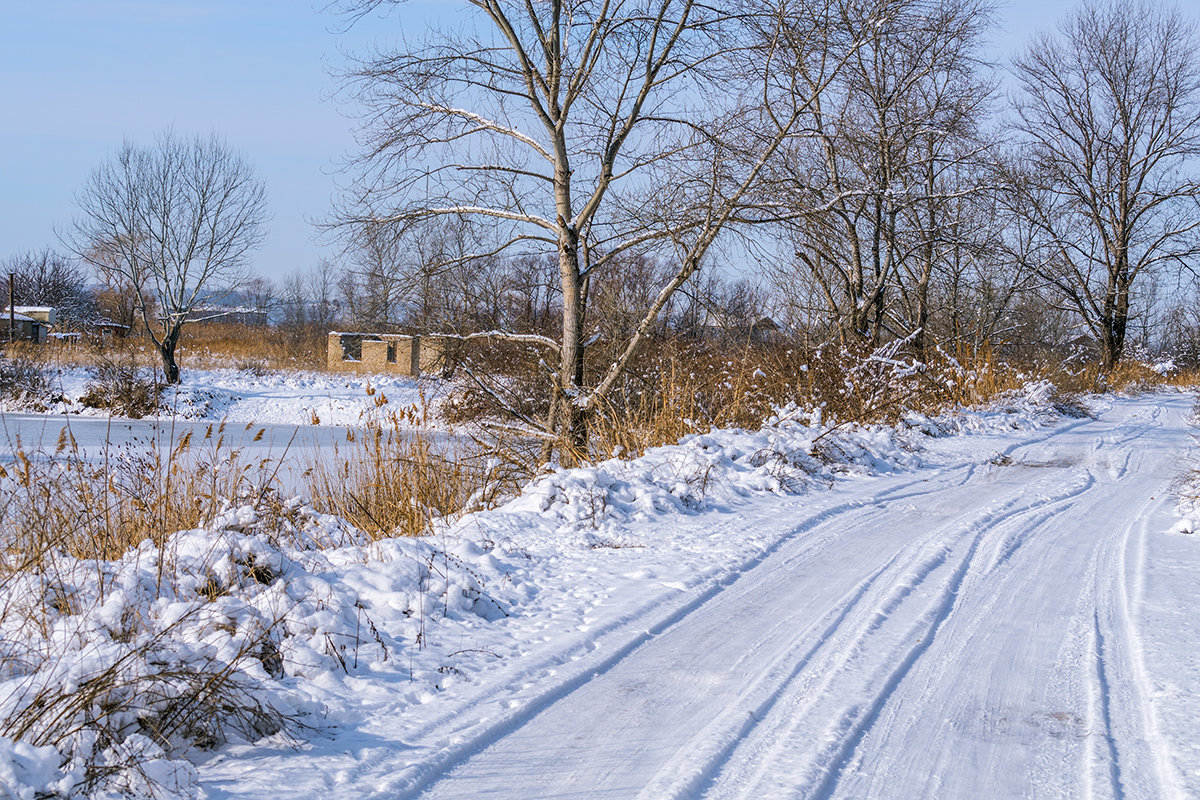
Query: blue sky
x=77, y=77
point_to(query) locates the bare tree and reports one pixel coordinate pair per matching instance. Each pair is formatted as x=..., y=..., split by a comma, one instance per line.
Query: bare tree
x=587, y=129
x=47, y=278
x=876, y=179
x=978, y=279
x=177, y=221
x=308, y=299
x=260, y=295
x=1110, y=111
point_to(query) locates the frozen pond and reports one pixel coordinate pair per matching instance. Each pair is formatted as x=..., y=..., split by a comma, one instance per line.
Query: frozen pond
x=294, y=447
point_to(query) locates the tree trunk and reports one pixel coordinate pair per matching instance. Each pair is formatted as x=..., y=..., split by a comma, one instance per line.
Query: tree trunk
x=1114, y=320
x=1112, y=348
x=167, y=350
x=571, y=418
x=920, y=343
x=928, y=252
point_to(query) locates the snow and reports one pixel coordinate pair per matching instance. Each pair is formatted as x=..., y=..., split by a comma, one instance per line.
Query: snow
x=266, y=397
x=27, y=772
x=995, y=598
x=291, y=418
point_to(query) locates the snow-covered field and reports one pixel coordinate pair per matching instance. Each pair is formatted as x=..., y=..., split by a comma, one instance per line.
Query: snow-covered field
x=997, y=603
x=267, y=397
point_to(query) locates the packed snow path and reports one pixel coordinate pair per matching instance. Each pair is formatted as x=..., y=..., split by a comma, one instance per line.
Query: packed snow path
x=978, y=630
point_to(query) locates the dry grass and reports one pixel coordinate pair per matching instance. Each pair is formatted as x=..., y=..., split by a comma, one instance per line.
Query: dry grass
x=220, y=344
x=393, y=478
x=123, y=388
x=66, y=518
x=197, y=702
x=691, y=387
x=688, y=387
x=679, y=386
x=203, y=345
x=23, y=380
x=135, y=350
x=98, y=506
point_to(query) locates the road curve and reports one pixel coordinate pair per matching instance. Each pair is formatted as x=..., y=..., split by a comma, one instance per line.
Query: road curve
x=973, y=631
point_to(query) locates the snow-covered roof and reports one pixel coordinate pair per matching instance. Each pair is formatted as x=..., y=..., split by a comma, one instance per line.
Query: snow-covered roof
x=42, y=315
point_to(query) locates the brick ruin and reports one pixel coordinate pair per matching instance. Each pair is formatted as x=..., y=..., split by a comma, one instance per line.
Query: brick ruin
x=385, y=352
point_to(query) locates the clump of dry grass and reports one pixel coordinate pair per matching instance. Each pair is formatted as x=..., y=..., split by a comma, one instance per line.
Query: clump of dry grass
x=679, y=386
x=394, y=478
x=74, y=528
x=122, y=387
x=137, y=350
x=195, y=702
x=23, y=379
x=203, y=345
x=251, y=347
x=70, y=523
x=100, y=505
x=692, y=387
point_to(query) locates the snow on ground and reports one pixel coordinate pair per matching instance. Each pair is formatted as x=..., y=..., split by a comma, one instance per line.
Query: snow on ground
x=295, y=419
x=267, y=396
x=993, y=603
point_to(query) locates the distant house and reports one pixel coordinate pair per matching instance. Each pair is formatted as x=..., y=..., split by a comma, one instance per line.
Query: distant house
x=385, y=352
x=105, y=330
x=717, y=325
x=29, y=323
x=236, y=315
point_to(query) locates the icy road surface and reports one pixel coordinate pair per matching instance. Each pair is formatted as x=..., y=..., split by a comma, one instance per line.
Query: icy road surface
x=977, y=632
x=1015, y=619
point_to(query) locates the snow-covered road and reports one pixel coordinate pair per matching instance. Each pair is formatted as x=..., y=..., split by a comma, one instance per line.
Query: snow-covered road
x=1003, y=608
x=980, y=630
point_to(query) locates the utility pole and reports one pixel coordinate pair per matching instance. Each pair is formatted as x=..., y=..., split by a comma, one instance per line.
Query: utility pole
x=12, y=308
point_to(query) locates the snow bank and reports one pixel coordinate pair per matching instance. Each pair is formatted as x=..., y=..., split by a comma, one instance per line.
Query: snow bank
x=207, y=640
x=28, y=772
x=277, y=623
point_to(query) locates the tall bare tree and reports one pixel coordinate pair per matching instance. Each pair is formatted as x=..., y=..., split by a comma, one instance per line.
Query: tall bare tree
x=876, y=180
x=1110, y=111
x=307, y=303
x=176, y=221
x=587, y=129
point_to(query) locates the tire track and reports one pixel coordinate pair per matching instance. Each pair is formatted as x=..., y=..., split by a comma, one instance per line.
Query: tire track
x=854, y=723
x=421, y=778
x=1101, y=710
x=1123, y=688
x=1016, y=528
x=1121, y=746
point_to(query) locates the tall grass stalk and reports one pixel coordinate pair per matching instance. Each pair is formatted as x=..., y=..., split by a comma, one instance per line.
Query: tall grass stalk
x=396, y=479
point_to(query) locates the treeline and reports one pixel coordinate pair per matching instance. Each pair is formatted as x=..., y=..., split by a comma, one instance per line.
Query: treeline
x=594, y=173
x=860, y=164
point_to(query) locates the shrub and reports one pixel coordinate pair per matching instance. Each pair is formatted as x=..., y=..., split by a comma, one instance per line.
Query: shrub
x=682, y=385
x=76, y=532
x=123, y=388
x=23, y=380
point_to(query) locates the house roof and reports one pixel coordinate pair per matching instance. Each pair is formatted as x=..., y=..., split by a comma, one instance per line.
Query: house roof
x=720, y=319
